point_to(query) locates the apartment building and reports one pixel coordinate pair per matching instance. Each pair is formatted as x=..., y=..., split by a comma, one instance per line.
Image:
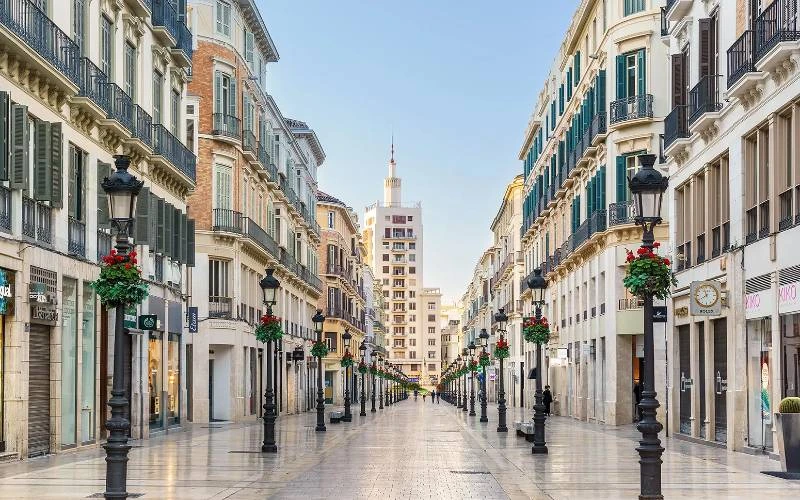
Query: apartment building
x=450, y=327
x=76, y=91
x=393, y=240
x=478, y=314
x=255, y=207
x=601, y=106
x=344, y=298
x=735, y=181
x=431, y=302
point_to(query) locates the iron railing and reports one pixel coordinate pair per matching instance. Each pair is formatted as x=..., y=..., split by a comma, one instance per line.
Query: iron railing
x=630, y=304
x=185, y=39
x=165, y=16
x=621, y=212
x=676, y=125
x=5, y=209
x=249, y=141
x=76, y=242
x=227, y=220
x=632, y=108
x=227, y=125
x=664, y=22
x=103, y=244
x=704, y=98
x=44, y=223
x=28, y=217
x=220, y=307
x=171, y=148
x=777, y=23
x=741, y=57
x=261, y=237
x=120, y=105
x=142, y=125
x=92, y=83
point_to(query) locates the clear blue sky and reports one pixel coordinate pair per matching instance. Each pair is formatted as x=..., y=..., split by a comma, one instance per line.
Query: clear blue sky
x=455, y=80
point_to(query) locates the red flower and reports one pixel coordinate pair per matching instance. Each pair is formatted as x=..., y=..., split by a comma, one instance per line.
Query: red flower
x=641, y=251
x=119, y=258
x=656, y=244
x=128, y=265
x=135, y=261
x=666, y=262
x=133, y=253
x=113, y=251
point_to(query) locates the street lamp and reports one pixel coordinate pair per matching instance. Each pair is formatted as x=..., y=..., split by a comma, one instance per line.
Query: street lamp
x=380, y=383
x=346, y=338
x=458, y=383
x=319, y=322
x=373, y=355
x=484, y=336
x=471, y=348
x=269, y=286
x=538, y=284
x=501, y=318
x=648, y=187
x=465, y=353
x=298, y=355
x=362, y=349
x=122, y=189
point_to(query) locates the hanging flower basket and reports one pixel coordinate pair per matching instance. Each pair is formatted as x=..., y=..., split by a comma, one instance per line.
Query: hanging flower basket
x=347, y=359
x=648, y=273
x=484, y=359
x=536, y=330
x=319, y=350
x=373, y=369
x=120, y=282
x=269, y=328
x=501, y=349
x=362, y=368
x=473, y=366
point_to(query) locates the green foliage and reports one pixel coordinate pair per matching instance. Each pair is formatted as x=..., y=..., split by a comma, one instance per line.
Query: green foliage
x=789, y=405
x=648, y=274
x=120, y=282
x=269, y=328
x=362, y=368
x=319, y=350
x=484, y=359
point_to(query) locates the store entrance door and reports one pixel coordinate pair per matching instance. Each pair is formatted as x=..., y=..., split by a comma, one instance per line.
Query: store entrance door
x=39, y=391
x=720, y=380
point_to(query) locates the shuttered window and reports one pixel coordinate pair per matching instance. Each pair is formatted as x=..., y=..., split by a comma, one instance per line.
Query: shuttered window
x=130, y=70
x=5, y=129
x=249, y=43
x=158, y=96
x=222, y=187
x=224, y=93
x=223, y=18
x=106, y=45
x=142, y=234
x=631, y=71
x=76, y=195
x=621, y=180
x=679, y=83
x=633, y=6
x=175, y=113
x=79, y=25
x=20, y=147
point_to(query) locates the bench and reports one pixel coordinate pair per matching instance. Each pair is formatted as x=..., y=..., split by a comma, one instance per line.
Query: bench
x=518, y=427
x=336, y=416
x=526, y=429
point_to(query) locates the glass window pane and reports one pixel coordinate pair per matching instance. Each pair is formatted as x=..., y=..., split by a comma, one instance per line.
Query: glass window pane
x=69, y=365
x=154, y=380
x=88, y=344
x=173, y=378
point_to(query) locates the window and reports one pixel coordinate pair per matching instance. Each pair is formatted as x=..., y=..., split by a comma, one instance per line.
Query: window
x=249, y=43
x=410, y=218
x=431, y=306
x=223, y=18
x=431, y=317
x=412, y=270
x=431, y=341
x=79, y=26
x=158, y=99
x=412, y=342
x=330, y=340
x=412, y=354
x=412, y=246
x=331, y=219
x=386, y=257
x=400, y=355
x=412, y=257
x=431, y=367
x=399, y=342
x=224, y=97
x=217, y=279
x=412, y=306
x=757, y=179
x=130, y=70
x=431, y=354
x=222, y=187
x=412, y=330
x=633, y=6
x=631, y=74
x=431, y=329
x=76, y=200
x=386, y=269
x=106, y=46
x=398, y=219
x=412, y=294
x=174, y=110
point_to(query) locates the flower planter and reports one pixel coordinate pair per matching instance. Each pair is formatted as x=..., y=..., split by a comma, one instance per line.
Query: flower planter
x=788, y=427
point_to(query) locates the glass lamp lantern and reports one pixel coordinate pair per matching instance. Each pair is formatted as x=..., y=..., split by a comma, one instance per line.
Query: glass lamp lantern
x=269, y=287
x=648, y=187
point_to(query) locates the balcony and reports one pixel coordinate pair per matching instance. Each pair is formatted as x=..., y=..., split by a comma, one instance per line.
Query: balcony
x=632, y=109
x=226, y=221
x=76, y=244
x=249, y=145
x=183, y=51
x=664, y=23
x=5, y=209
x=621, y=212
x=597, y=128
x=257, y=234
x=225, y=125
x=676, y=9
x=103, y=244
x=704, y=105
x=142, y=126
x=630, y=304
x=91, y=89
x=676, y=126
x=172, y=150
x=119, y=110
x=778, y=23
x=741, y=61
x=165, y=22
x=37, y=221
x=220, y=307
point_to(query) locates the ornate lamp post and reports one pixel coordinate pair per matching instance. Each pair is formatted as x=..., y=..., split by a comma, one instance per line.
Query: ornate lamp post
x=346, y=338
x=122, y=189
x=269, y=286
x=363, y=350
x=465, y=353
x=538, y=284
x=484, y=336
x=298, y=355
x=471, y=380
x=319, y=323
x=373, y=355
x=458, y=383
x=380, y=383
x=648, y=187
x=501, y=318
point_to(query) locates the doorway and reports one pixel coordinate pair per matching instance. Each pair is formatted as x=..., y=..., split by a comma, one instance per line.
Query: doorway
x=39, y=391
x=684, y=362
x=720, y=327
x=210, y=390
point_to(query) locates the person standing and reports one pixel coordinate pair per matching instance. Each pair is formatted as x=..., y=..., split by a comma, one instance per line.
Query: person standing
x=547, y=398
x=433, y=397
x=637, y=394
x=438, y=396
x=423, y=396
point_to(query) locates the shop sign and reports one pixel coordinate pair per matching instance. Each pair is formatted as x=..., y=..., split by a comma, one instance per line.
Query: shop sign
x=758, y=304
x=43, y=304
x=659, y=314
x=129, y=321
x=148, y=322
x=193, y=320
x=6, y=293
x=789, y=297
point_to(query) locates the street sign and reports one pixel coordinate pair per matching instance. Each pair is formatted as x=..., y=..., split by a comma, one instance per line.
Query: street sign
x=193, y=320
x=148, y=322
x=659, y=314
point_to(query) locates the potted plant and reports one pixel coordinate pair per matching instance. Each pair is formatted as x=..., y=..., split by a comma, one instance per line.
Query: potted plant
x=788, y=427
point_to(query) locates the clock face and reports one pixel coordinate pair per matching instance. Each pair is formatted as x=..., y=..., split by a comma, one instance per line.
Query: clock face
x=706, y=295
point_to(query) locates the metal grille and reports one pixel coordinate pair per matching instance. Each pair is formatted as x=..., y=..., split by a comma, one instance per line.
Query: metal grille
x=39, y=391
x=788, y=275
x=49, y=278
x=758, y=284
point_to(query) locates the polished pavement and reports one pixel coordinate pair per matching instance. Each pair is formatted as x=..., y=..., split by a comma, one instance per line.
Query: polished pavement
x=408, y=450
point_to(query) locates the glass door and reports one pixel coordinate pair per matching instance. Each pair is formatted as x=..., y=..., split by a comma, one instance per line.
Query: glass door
x=155, y=365
x=88, y=362
x=759, y=404
x=173, y=379
x=684, y=351
x=69, y=364
x=720, y=327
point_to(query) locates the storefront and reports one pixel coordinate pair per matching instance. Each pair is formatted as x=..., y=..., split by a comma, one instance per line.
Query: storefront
x=759, y=307
x=43, y=316
x=789, y=308
x=6, y=309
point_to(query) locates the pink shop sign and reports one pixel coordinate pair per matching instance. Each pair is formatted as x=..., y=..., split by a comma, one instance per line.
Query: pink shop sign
x=759, y=304
x=789, y=297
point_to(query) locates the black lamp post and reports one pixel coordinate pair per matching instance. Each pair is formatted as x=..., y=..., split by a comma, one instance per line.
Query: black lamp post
x=374, y=368
x=386, y=382
x=122, y=189
x=269, y=286
x=346, y=338
x=501, y=318
x=298, y=355
x=363, y=349
x=484, y=336
x=389, y=384
x=537, y=283
x=648, y=187
x=380, y=383
x=465, y=353
x=458, y=383
x=471, y=380
x=319, y=323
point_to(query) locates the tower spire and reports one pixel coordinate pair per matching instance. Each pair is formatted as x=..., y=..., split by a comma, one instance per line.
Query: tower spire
x=391, y=185
x=392, y=160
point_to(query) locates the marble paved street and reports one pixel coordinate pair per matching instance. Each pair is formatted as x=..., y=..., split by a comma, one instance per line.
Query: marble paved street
x=409, y=450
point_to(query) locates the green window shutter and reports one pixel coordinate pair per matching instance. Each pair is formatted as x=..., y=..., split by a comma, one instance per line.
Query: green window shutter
x=190, y=262
x=601, y=91
x=159, y=238
x=168, y=215
x=5, y=111
x=19, y=147
x=589, y=196
x=249, y=42
x=183, y=239
x=578, y=205
x=603, y=187
x=72, y=184
x=641, y=56
x=103, y=220
x=621, y=180
x=577, y=66
x=569, y=84
x=41, y=162
x=232, y=104
x=81, y=179
x=152, y=222
x=561, y=100
x=177, y=232
x=57, y=165
x=218, y=92
x=141, y=228
x=621, y=90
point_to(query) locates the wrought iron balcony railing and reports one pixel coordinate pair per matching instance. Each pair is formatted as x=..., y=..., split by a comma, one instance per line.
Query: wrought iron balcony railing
x=676, y=125
x=226, y=220
x=226, y=125
x=632, y=108
x=171, y=148
x=92, y=83
x=103, y=244
x=621, y=212
x=76, y=244
x=142, y=125
x=220, y=307
x=249, y=141
x=704, y=98
x=777, y=23
x=120, y=105
x=741, y=57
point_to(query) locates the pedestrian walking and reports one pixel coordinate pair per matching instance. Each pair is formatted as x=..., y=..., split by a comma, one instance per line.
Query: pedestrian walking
x=547, y=398
x=433, y=397
x=438, y=397
x=637, y=394
x=415, y=394
x=423, y=397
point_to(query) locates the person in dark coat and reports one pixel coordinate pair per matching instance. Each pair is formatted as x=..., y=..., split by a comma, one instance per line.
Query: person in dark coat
x=637, y=394
x=547, y=398
x=438, y=397
x=433, y=397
